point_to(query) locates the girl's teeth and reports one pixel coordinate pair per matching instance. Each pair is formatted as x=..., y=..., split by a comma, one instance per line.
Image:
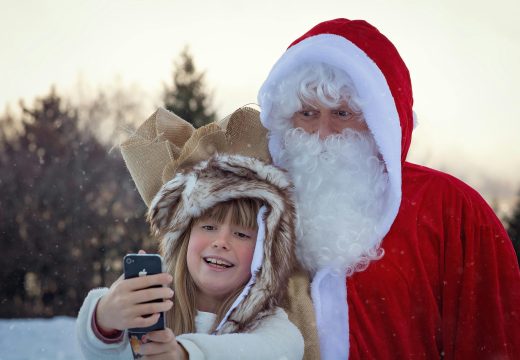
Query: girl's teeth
x=218, y=262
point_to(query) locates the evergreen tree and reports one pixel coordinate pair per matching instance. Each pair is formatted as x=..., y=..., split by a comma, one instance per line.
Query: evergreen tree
x=513, y=227
x=188, y=97
x=68, y=212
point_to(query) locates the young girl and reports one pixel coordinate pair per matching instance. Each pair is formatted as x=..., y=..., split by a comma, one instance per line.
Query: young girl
x=226, y=226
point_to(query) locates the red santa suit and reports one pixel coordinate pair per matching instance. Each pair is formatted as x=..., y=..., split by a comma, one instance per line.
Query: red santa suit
x=448, y=284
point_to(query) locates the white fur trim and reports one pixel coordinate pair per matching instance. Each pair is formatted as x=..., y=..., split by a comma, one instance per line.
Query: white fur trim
x=189, y=186
x=415, y=121
x=329, y=296
x=377, y=103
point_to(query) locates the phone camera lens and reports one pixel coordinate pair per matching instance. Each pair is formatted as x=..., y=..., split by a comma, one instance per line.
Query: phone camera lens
x=129, y=261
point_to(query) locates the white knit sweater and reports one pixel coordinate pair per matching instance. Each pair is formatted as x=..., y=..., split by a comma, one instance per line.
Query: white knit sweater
x=274, y=338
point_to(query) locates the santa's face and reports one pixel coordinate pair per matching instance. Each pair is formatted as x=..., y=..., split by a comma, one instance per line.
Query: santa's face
x=323, y=120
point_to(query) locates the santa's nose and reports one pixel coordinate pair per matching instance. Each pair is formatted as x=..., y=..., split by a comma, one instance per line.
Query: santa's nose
x=325, y=126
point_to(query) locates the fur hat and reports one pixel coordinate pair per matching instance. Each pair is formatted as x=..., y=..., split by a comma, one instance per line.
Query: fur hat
x=223, y=178
x=223, y=161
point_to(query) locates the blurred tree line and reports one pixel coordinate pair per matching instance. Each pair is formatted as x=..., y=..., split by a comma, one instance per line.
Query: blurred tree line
x=69, y=210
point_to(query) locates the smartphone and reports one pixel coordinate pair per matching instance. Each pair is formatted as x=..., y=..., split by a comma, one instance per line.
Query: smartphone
x=136, y=265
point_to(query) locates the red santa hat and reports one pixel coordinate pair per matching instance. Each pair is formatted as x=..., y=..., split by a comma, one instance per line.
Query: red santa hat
x=380, y=77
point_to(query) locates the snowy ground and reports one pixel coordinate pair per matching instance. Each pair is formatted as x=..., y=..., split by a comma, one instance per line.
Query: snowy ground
x=38, y=339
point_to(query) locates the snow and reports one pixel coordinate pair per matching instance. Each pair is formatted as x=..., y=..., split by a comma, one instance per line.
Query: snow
x=39, y=339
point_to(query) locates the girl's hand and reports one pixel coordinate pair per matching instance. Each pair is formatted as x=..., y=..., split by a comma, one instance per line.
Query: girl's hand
x=125, y=304
x=161, y=344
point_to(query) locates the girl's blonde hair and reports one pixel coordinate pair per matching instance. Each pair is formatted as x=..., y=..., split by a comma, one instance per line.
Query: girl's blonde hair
x=181, y=318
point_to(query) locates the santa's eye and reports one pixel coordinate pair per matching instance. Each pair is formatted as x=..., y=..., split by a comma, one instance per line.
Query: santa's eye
x=308, y=113
x=342, y=113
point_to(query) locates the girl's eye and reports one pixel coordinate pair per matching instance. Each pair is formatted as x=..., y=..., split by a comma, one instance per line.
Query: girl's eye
x=242, y=235
x=208, y=227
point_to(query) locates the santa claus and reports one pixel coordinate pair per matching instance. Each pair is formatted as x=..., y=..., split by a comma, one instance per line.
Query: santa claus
x=399, y=260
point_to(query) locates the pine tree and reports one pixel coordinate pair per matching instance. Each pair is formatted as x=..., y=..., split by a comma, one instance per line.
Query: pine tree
x=188, y=97
x=513, y=227
x=68, y=211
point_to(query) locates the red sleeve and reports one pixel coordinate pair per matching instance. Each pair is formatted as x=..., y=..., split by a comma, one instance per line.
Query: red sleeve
x=480, y=288
x=115, y=337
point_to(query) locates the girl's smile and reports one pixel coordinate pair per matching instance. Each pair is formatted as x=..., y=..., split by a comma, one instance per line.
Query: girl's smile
x=217, y=263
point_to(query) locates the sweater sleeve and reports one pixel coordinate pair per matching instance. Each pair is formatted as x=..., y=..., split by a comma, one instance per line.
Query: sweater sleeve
x=274, y=338
x=91, y=346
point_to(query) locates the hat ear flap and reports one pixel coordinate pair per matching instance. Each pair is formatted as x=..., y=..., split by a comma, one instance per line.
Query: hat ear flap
x=165, y=205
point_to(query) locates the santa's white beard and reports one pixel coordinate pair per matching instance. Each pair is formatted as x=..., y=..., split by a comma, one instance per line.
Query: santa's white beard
x=340, y=188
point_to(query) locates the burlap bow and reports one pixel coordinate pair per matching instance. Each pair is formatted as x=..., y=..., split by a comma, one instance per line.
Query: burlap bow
x=165, y=143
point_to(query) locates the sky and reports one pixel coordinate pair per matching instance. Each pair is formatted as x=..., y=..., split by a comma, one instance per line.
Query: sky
x=463, y=57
